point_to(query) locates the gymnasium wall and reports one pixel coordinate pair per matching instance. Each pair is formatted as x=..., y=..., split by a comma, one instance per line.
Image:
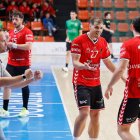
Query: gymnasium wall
x=58, y=48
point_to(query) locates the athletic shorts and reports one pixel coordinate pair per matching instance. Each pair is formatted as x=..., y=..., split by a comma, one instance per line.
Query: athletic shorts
x=68, y=46
x=129, y=111
x=89, y=97
x=16, y=70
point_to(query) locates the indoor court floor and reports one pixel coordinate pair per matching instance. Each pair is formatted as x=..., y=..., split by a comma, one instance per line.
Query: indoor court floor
x=53, y=108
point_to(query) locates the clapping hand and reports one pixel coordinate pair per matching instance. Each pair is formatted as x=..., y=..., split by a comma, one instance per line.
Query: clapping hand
x=38, y=75
x=29, y=74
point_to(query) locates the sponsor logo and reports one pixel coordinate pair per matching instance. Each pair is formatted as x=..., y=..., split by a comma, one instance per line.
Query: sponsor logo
x=129, y=120
x=100, y=101
x=83, y=102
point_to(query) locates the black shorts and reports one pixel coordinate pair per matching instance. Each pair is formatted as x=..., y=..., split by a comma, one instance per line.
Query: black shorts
x=68, y=46
x=129, y=111
x=16, y=70
x=89, y=97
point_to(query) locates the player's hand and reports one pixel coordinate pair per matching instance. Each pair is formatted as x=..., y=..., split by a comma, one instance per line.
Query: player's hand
x=11, y=45
x=38, y=75
x=111, y=31
x=67, y=40
x=29, y=74
x=7, y=36
x=108, y=92
x=88, y=67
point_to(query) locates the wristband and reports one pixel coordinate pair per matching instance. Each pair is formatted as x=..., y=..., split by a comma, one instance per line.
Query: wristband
x=24, y=77
x=14, y=45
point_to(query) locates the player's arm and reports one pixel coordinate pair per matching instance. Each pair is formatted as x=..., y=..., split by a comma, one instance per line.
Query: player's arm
x=28, y=42
x=7, y=80
x=107, y=29
x=36, y=76
x=119, y=72
x=80, y=32
x=27, y=46
x=77, y=64
x=116, y=76
x=109, y=64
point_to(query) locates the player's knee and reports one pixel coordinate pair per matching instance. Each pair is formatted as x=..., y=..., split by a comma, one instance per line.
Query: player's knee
x=123, y=129
x=84, y=112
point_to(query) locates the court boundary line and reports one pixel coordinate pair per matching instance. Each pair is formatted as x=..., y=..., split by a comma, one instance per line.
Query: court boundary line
x=63, y=102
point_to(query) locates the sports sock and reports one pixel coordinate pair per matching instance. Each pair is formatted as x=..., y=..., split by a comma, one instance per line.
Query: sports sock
x=67, y=64
x=5, y=104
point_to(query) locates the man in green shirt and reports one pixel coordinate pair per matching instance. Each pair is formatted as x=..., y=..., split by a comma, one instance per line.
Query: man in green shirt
x=73, y=29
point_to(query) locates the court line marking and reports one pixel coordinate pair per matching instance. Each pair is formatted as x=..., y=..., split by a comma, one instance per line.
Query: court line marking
x=24, y=131
x=60, y=93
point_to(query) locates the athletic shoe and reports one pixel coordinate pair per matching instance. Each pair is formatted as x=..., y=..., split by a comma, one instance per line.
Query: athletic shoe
x=24, y=112
x=4, y=113
x=65, y=69
x=4, y=123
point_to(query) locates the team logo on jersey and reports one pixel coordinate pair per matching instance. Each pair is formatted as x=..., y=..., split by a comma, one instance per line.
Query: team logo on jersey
x=87, y=50
x=139, y=47
x=73, y=44
x=29, y=37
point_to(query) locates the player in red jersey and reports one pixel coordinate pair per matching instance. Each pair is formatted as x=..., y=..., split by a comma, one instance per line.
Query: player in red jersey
x=130, y=107
x=19, y=57
x=17, y=81
x=87, y=51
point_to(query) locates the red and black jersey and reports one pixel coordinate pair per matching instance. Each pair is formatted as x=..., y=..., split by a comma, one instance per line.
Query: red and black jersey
x=90, y=52
x=17, y=57
x=131, y=50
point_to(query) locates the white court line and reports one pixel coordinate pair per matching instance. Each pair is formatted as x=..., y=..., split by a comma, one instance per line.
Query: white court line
x=43, y=85
x=60, y=93
x=24, y=131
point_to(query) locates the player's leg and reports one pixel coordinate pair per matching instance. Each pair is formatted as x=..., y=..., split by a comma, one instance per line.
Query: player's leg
x=111, y=50
x=82, y=97
x=126, y=116
x=6, y=96
x=80, y=121
x=93, y=129
x=25, y=93
x=97, y=104
x=67, y=57
x=124, y=132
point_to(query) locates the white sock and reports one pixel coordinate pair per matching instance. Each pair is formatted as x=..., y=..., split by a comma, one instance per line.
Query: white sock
x=76, y=138
x=93, y=138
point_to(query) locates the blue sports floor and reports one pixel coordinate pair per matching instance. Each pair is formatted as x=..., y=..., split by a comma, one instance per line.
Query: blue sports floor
x=47, y=119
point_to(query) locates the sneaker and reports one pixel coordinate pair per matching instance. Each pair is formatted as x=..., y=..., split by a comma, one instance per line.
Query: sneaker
x=4, y=123
x=65, y=69
x=24, y=112
x=4, y=113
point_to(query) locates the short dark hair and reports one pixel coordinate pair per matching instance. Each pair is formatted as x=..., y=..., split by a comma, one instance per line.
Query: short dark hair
x=18, y=14
x=73, y=11
x=106, y=14
x=136, y=24
x=96, y=21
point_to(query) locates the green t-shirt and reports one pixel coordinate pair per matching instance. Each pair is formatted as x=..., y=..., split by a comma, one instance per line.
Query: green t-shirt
x=73, y=27
x=1, y=25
